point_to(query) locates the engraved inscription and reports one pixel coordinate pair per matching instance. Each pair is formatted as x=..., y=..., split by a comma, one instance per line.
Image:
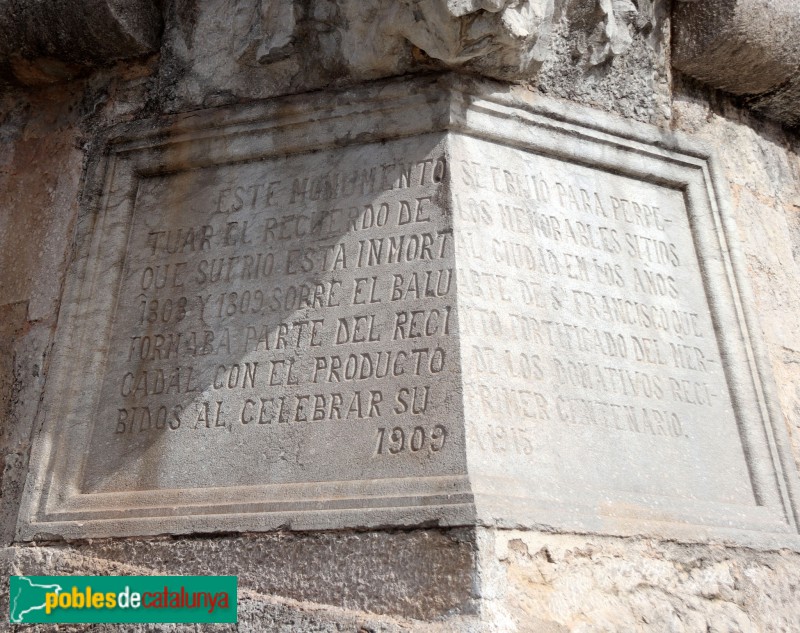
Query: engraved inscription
x=283, y=315
x=586, y=332
x=311, y=314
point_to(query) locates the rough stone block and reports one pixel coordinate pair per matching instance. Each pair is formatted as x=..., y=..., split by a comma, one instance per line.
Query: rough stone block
x=742, y=46
x=50, y=41
x=421, y=574
x=222, y=51
x=32, y=267
x=747, y=47
x=429, y=301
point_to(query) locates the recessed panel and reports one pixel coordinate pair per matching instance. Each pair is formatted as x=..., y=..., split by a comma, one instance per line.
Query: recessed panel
x=590, y=348
x=282, y=321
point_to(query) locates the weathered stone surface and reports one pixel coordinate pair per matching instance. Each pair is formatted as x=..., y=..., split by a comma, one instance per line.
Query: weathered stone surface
x=743, y=47
x=259, y=290
x=525, y=581
x=502, y=38
x=569, y=583
x=764, y=174
x=746, y=47
x=14, y=446
x=533, y=385
x=38, y=234
x=36, y=231
x=274, y=340
x=425, y=580
x=25, y=349
x=310, y=255
x=635, y=84
x=424, y=574
x=40, y=175
x=50, y=41
x=219, y=51
x=597, y=51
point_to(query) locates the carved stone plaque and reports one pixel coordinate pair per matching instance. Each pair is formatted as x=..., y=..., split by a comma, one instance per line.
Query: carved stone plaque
x=283, y=306
x=426, y=307
x=587, y=336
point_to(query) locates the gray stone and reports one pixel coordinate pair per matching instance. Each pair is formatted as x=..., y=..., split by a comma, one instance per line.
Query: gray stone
x=764, y=181
x=746, y=47
x=474, y=580
x=31, y=269
x=597, y=584
x=25, y=351
x=277, y=308
x=424, y=574
x=384, y=579
x=501, y=38
x=219, y=51
x=51, y=41
x=635, y=84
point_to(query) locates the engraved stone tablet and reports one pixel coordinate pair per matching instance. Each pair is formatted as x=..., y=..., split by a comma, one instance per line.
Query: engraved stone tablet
x=428, y=307
x=267, y=326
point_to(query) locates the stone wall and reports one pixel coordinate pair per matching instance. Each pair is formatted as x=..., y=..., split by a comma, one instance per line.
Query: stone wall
x=764, y=174
x=428, y=579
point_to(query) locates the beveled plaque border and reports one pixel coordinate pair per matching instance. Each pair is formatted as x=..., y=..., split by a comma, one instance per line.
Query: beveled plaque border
x=645, y=153
x=52, y=505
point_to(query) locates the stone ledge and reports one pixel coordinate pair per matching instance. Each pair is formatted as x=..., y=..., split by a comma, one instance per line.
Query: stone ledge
x=745, y=47
x=42, y=42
